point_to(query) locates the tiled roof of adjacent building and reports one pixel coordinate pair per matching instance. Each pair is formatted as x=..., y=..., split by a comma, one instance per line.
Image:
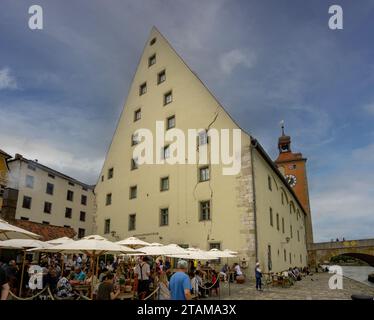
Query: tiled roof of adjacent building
x=46, y=231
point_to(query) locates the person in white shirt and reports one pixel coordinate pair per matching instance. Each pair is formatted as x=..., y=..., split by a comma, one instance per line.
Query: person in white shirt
x=238, y=271
x=143, y=271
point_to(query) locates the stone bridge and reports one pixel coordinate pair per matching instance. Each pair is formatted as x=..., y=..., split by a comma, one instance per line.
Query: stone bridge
x=322, y=252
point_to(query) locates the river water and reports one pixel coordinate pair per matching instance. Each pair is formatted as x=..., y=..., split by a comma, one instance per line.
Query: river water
x=359, y=273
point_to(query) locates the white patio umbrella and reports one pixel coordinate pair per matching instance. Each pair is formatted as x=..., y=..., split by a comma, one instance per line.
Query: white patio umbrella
x=24, y=244
x=230, y=251
x=196, y=254
x=60, y=241
x=221, y=254
x=93, y=246
x=133, y=242
x=160, y=250
x=9, y=231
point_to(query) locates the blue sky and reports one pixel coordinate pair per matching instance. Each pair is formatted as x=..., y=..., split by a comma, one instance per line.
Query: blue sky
x=62, y=88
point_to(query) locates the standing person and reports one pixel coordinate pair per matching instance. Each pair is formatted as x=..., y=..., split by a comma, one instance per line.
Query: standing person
x=180, y=284
x=143, y=271
x=258, y=275
x=163, y=283
x=4, y=285
x=107, y=290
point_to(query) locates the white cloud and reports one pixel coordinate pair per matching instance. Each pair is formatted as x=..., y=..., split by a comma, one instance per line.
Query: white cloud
x=7, y=81
x=230, y=60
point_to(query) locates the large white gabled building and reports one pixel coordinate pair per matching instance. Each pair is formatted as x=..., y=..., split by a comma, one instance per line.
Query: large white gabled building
x=255, y=212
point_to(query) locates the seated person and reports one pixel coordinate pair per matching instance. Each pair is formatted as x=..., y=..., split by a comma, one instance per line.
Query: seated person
x=64, y=288
x=224, y=271
x=237, y=270
x=106, y=290
x=78, y=277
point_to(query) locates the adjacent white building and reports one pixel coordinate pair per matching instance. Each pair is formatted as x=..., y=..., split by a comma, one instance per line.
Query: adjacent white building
x=47, y=196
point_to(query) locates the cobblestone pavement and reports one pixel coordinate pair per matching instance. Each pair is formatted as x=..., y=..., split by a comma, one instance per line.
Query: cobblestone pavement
x=313, y=287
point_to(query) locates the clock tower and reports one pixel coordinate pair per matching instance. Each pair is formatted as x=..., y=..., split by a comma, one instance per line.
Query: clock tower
x=293, y=167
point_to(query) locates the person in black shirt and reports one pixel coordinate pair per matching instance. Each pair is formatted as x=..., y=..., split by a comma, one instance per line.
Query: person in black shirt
x=106, y=289
x=4, y=285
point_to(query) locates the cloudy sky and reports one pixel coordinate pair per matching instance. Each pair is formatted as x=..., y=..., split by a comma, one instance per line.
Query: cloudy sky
x=62, y=88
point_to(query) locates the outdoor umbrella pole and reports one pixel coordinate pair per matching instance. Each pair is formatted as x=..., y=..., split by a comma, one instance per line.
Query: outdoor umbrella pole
x=22, y=271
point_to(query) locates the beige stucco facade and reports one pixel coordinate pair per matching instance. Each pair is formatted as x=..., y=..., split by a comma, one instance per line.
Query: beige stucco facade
x=31, y=178
x=232, y=224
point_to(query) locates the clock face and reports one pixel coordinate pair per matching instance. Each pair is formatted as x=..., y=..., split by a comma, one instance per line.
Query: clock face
x=291, y=179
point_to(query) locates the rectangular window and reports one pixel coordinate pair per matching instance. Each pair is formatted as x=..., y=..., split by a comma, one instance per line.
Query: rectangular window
x=132, y=222
x=47, y=207
x=164, y=217
x=271, y=216
x=26, y=202
x=31, y=167
x=50, y=188
x=135, y=139
x=290, y=258
x=165, y=154
x=70, y=195
x=81, y=233
x=133, y=192
x=164, y=184
x=291, y=233
x=108, y=200
x=2, y=190
x=134, y=164
x=84, y=188
x=161, y=77
x=82, y=216
x=143, y=89
x=277, y=221
x=45, y=222
x=168, y=98
x=269, y=183
x=68, y=213
x=285, y=255
x=110, y=173
x=152, y=60
x=83, y=200
x=25, y=218
x=170, y=123
x=102, y=178
x=282, y=225
x=137, y=115
x=71, y=184
x=107, y=226
x=203, y=138
x=204, y=210
x=204, y=174
x=298, y=235
x=29, y=181
x=51, y=175
x=282, y=197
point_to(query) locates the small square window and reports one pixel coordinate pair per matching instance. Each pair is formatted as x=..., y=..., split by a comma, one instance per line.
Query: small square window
x=165, y=152
x=25, y=218
x=137, y=115
x=161, y=77
x=102, y=178
x=143, y=88
x=71, y=184
x=164, y=216
x=132, y=222
x=204, y=210
x=45, y=222
x=204, y=174
x=168, y=98
x=70, y=195
x=49, y=189
x=271, y=216
x=107, y=226
x=170, y=123
x=30, y=182
x=134, y=164
x=110, y=173
x=68, y=213
x=83, y=199
x=26, y=202
x=108, y=199
x=51, y=175
x=152, y=60
x=47, y=207
x=82, y=216
x=164, y=184
x=133, y=192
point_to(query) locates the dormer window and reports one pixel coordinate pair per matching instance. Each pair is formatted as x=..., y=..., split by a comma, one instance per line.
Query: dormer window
x=152, y=60
x=143, y=88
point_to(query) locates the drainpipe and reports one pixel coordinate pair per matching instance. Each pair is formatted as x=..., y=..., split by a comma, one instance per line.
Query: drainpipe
x=254, y=142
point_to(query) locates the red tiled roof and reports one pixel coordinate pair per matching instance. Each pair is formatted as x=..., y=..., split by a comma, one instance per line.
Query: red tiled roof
x=46, y=231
